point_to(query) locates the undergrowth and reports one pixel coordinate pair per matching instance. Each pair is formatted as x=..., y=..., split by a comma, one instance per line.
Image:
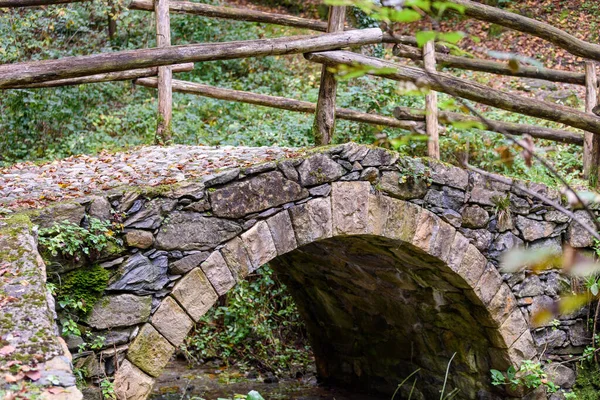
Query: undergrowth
x=587, y=386
x=257, y=326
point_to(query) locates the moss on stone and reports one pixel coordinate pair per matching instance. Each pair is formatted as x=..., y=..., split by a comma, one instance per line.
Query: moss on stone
x=587, y=386
x=85, y=284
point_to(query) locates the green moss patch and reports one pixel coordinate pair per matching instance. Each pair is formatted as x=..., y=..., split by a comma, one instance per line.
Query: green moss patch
x=85, y=284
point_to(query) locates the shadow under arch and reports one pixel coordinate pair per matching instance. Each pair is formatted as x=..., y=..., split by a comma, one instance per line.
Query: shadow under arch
x=384, y=285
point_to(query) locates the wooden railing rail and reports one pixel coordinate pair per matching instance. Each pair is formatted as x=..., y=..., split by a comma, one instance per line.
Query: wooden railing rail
x=107, y=77
x=282, y=103
x=540, y=132
x=72, y=67
x=465, y=89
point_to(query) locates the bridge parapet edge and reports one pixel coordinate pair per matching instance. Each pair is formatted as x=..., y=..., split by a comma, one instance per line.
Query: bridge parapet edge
x=29, y=338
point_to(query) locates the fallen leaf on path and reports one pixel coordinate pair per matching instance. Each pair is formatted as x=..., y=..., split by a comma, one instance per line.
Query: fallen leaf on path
x=6, y=350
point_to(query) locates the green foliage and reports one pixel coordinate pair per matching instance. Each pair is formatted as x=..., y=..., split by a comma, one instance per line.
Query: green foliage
x=587, y=385
x=108, y=389
x=76, y=293
x=258, y=326
x=529, y=375
x=70, y=240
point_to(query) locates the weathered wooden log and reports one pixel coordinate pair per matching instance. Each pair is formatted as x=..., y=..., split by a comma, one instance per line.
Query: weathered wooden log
x=494, y=67
x=542, y=30
x=72, y=67
x=324, y=126
x=32, y=3
x=465, y=89
x=447, y=118
x=108, y=77
x=591, y=145
x=242, y=14
x=165, y=74
x=281, y=103
x=238, y=14
x=431, y=110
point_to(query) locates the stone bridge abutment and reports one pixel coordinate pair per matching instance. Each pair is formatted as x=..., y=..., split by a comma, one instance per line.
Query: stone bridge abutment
x=393, y=263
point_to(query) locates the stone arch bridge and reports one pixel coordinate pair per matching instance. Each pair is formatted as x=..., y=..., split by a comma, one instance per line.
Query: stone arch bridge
x=393, y=261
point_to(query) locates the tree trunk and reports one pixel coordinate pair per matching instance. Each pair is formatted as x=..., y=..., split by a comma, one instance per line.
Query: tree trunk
x=466, y=89
x=112, y=21
x=72, y=67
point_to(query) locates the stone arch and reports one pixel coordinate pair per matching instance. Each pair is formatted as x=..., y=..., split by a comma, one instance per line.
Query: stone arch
x=354, y=212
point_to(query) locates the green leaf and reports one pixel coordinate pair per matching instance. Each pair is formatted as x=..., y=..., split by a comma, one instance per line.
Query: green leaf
x=442, y=6
x=451, y=37
x=594, y=289
x=424, y=37
x=468, y=125
x=254, y=395
x=406, y=15
x=497, y=377
x=422, y=4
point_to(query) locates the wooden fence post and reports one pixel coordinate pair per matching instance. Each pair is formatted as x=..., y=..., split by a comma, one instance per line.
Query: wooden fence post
x=591, y=142
x=165, y=74
x=431, y=110
x=325, y=115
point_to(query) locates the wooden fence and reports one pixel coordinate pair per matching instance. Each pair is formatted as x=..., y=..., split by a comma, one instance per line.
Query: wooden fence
x=154, y=68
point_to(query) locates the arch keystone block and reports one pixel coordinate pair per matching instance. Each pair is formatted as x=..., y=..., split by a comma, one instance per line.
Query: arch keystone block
x=216, y=270
x=312, y=220
x=150, y=351
x=195, y=293
x=402, y=220
x=350, y=205
x=171, y=321
x=131, y=383
x=259, y=244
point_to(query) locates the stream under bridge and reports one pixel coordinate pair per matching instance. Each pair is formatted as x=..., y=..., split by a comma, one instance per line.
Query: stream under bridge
x=393, y=262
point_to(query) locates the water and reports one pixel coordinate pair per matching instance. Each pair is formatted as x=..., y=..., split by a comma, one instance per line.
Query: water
x=179, y=382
